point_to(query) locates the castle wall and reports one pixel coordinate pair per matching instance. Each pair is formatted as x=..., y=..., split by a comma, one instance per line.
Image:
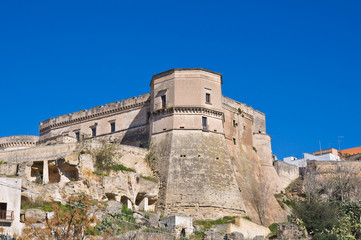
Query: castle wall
x=197, y=175
x=18, y=142
x=286, y=172
x=130, y=117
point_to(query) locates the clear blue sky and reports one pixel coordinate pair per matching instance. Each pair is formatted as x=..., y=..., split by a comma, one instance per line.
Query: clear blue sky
x=299, y=62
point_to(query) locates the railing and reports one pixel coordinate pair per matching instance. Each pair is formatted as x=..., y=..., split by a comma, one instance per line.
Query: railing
x=6, y=215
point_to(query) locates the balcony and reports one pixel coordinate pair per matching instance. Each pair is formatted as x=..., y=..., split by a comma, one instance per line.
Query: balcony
x=6, y=216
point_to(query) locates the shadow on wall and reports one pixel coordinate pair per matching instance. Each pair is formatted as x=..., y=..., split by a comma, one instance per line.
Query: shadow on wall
x=138, y=133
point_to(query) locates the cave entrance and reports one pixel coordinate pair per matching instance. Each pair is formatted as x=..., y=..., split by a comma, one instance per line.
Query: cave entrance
x=68, y=170
x=54, y=174
x=37, y=171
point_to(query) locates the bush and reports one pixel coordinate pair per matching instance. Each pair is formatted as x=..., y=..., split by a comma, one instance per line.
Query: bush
x=149, y=178
x=117, y=223
x=208, y=224
x=273, y=229
x=325, y=236
x=247, y=217
x=316, y=216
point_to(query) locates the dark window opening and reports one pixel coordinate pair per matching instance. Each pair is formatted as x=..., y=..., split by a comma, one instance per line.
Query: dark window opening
x=208, y=98
x=3, y=207
x=77, y=135
x=112, y=127
x=110, y=196
x=204, y=123
x=234, y=123
x=183, y=233
x=164, y=101
x=94, y=131
x=234, y=141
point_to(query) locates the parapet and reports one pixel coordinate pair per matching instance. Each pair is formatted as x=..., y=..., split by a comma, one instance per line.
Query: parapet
x=233, y=105
x=18, y=142
x=102, y=110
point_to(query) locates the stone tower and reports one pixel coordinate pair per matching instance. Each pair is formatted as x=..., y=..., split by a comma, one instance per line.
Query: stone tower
x=187, y=137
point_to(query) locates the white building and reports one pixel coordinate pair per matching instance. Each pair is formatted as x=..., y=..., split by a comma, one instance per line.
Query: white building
x=10, y=200
x=323, y=155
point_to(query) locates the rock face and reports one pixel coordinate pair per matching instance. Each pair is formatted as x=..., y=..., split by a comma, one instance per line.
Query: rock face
x=73, y=173
x=290, y=231
x=36, y=214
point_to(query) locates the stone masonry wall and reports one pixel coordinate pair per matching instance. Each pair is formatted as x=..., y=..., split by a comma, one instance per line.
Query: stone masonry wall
x=129, y=114
x=198, y=176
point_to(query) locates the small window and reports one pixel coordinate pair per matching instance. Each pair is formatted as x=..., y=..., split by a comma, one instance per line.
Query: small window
x=164, y=101
x=234, y=141
x=77, y=135
x=94, y=131
x=234, y=123
x=112, y=127
x=208, y=98
x=204, y=123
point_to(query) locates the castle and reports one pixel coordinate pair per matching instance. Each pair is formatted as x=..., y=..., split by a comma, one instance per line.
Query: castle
x=201, y=140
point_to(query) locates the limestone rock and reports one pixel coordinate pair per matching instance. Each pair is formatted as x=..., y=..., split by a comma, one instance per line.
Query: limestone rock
x=114, y=206
x=290, y=231
x=38, y=215
x=236, y=236
x=210, y=235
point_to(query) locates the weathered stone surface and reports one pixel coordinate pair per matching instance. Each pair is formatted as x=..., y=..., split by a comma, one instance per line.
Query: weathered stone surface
x=114, y=206
x=38, y=215
x=210, y=235
x=236, y=236
x=196, y=170
x=249, y=229
x=8, y=169
x=133, y=235
x=290, y=231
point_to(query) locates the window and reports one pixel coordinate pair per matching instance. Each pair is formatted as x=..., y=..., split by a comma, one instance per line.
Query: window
x=77, y=135
x=112, y=127
x=234, y=123
x=204, y=123
x=208, y=98
x=164, y=101
x=234, y=141
x=94, y=131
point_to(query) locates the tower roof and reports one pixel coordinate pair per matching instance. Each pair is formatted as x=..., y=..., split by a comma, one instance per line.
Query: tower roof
x=171, y=71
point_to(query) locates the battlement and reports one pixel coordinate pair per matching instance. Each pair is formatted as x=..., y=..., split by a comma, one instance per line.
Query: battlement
x=102, y=110
x=19, y=141
x=234, y=105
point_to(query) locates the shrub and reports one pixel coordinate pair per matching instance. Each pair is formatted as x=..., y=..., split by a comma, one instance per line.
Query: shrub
x=273, y=229
x=149, y=178
x=247, y=217
x=316, y=216
x=325, y=236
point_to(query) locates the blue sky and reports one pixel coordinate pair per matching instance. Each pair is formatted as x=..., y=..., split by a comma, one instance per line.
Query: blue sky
x=299, y=62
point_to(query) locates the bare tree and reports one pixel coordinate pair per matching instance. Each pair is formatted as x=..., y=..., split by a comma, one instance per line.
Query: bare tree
x=343, y=185
x=260, y=192
x=311, y=184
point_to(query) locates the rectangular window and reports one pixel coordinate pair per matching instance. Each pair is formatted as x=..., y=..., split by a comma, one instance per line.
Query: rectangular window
x=3, y=208
x=112, y=127
x=204, y=123
x=77, y=135
x=94, y=131
x=164, y=101
x=234, y=141
x=208, y=98
x=234, y=123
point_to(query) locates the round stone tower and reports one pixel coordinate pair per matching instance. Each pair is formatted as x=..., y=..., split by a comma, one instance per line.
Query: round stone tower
x=187, y=138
